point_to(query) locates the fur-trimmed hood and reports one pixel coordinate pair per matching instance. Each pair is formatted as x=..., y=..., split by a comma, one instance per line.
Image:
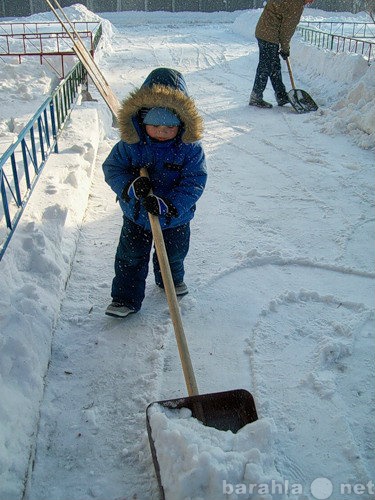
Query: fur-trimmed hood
x=164, y=88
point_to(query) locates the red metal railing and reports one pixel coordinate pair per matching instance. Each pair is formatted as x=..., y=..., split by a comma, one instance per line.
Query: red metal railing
x=44, y=40
x=13, y=28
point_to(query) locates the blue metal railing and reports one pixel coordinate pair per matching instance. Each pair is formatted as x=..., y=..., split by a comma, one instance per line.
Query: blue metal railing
x=353, y=37
x=23, y=161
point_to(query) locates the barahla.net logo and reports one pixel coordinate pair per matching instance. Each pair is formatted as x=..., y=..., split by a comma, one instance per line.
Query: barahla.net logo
x=321, y=488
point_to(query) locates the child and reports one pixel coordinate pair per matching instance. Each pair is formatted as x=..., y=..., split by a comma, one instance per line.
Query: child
x=160, y=128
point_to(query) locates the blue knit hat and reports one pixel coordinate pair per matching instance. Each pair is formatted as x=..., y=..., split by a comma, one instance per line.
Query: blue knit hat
x=161, y=116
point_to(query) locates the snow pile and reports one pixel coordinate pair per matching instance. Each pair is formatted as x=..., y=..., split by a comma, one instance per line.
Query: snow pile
x=202, y=463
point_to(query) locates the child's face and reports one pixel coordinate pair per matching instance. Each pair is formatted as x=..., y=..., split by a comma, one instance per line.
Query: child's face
x=161, y=132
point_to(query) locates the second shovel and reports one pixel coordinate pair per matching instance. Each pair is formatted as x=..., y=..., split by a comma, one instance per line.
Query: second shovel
x=301, y=101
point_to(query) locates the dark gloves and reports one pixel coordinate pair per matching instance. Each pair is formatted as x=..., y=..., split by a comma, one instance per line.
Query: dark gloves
x=157, y=206
x=284, y=54
x=139, y=188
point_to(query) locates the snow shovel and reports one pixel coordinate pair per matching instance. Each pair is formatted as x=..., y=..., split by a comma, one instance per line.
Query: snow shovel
x=301, y=101
x=229, y=410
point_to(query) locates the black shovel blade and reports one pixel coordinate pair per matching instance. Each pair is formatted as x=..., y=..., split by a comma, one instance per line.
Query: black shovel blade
x=229, y=410
x=301, y=101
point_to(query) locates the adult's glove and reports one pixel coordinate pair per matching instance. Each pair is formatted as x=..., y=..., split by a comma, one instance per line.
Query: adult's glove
x=138, y=189
x=157, y=206
x=284, y=54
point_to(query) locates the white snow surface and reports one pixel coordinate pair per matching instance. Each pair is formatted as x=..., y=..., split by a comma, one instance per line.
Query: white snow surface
x=280, y=271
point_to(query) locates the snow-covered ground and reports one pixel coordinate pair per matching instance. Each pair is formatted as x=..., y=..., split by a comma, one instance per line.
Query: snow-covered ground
x=280, y=271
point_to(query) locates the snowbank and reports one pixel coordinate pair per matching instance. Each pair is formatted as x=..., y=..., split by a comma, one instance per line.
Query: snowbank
x=34, y=273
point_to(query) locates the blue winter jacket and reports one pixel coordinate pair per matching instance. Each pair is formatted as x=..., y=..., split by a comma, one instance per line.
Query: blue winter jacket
x=176, y=168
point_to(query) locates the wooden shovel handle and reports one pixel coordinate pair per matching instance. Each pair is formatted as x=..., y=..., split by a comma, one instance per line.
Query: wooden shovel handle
x=290, y=73
x=174, y=308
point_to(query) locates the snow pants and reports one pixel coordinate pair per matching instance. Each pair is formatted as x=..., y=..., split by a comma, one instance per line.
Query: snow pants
x=133, y=256
x=268, y=67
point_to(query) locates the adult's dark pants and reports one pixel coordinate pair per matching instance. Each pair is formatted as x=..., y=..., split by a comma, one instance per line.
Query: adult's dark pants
x=268, y=67
x=133, y=256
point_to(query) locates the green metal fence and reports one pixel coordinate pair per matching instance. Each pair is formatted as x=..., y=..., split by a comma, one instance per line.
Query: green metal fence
x=352, y=37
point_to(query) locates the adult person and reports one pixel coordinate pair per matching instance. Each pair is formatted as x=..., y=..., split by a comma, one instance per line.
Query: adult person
x=273, y=32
